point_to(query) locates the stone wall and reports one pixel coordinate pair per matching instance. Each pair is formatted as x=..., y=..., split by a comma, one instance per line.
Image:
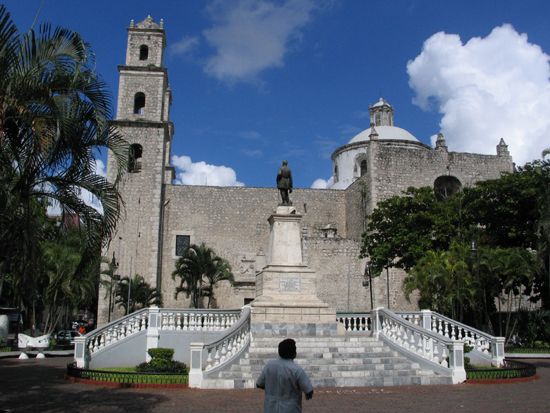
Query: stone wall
x=398, y=168
x=233, y=221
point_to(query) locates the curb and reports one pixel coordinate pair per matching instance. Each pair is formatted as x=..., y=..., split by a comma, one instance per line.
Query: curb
x=51, y=353
x=527, y=355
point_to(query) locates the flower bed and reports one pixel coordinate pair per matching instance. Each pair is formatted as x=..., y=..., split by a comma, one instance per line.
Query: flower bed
x=510, y=370
x=117, y=378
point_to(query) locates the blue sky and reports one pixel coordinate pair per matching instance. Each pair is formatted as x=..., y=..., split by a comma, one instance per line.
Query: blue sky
x=256, y=82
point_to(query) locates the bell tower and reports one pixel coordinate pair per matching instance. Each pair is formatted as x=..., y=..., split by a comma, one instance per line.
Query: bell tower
x=143, y=118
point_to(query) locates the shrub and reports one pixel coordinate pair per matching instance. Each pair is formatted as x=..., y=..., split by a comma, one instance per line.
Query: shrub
x=161, y=353
x=161, y=362
x=53, y=343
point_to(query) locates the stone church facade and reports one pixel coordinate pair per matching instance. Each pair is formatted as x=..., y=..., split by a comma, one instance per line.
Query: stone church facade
x=161, y=218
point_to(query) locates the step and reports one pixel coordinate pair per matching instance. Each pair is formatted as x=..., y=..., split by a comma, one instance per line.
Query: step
x=331, y=361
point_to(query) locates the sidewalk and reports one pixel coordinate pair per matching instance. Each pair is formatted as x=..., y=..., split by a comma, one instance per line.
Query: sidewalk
x=38, y=386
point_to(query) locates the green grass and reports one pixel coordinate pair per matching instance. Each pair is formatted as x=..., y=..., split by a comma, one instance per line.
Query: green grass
x=121, y=369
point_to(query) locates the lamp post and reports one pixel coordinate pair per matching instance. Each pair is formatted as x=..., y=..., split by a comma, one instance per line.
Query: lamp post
x=475, y=260
x=367, y=281
x=113, y=276
x=129, y=289
x=388, y=283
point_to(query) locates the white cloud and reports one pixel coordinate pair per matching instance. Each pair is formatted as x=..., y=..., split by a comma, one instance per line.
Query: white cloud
x=250, y=36
x=321, y=183
x=201, y=173
x=100, y=168
x=185, y=45
x=486, y=89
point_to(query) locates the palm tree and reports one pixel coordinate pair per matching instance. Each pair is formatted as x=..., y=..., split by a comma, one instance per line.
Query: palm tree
x=67, y=290
x=54, y=113
x=443, y=280
x=140, y=294
x=199, y=270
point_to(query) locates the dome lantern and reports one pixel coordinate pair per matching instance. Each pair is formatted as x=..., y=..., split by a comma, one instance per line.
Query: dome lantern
x=381, y=113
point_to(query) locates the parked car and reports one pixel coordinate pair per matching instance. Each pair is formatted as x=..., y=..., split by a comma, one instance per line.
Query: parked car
x=66, y=336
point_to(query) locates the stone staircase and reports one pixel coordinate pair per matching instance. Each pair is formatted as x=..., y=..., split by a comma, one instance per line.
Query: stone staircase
x=343, y=361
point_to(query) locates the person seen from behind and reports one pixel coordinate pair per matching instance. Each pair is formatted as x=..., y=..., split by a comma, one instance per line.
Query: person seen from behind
x=284, y=382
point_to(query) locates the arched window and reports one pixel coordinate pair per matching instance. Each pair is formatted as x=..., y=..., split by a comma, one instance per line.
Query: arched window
x=139, y=103
x=134, y=157
x=143, y=52
x=363, y=167
x=335, y=173
x=446, y=186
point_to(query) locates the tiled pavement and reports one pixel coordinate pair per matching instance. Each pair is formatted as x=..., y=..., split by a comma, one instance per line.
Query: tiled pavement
x=38, y=386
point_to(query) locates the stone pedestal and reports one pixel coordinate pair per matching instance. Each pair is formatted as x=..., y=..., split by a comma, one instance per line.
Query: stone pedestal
x=286, y=290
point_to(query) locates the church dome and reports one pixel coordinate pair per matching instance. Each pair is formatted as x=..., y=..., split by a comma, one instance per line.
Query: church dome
x=384, y=132
x=381, y=121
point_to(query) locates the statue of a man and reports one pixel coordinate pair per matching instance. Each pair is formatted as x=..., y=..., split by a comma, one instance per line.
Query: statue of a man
x=284, y=182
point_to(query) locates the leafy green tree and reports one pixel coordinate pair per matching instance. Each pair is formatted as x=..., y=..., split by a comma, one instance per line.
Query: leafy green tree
x=54, y=113
x=199, y=270
x=402, y=228
x=506, y=209
x=141, y=294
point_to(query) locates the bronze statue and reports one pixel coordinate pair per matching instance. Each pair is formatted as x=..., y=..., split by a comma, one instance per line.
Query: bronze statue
x=284, y=182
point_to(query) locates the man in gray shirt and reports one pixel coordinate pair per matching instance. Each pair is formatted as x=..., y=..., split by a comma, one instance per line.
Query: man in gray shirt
x=284, y=382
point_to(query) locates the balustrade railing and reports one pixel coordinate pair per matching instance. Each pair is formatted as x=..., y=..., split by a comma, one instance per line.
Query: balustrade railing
x=154, y=321
x=117, y=330
x=197, y=320
x=219, y=353
x=355, y=321
x=426, y=344
x=487, y=345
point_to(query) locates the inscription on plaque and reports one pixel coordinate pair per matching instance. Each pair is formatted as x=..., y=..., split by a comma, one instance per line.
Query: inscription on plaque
x=289, y=285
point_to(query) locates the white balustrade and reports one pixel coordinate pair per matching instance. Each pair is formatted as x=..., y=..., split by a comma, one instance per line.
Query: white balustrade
x=443, y=351
x=169, y=320
x=355, y=321
x=117, y=330
x=225, y=349
x=197, y=319
x=491, y=347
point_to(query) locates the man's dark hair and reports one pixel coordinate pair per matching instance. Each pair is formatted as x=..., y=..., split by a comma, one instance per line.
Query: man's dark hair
x=287, y=349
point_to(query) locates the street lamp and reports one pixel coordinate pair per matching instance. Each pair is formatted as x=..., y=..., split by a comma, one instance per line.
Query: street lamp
x=367, y=281
x=129, y=289
x=113, y=276
x=388, y=282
